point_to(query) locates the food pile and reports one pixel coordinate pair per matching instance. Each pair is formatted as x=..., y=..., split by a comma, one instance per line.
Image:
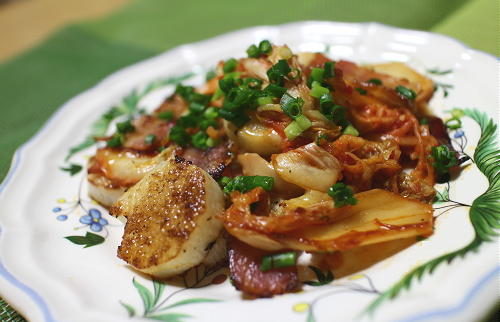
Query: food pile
x=278, y=155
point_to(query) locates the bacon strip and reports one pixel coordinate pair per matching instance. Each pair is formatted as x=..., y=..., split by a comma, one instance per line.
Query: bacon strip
x=244, y=262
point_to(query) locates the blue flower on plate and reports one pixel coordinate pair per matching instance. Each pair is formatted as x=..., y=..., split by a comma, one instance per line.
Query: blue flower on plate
x=458, y=134
x=94, y=220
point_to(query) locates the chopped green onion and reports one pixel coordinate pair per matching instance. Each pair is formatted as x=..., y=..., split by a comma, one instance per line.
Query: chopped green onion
x=211, y=142
x=424, y=121
x=184, y=91
x=274, y=90
x=167, y=115
x=253, y=83
x=199, y=140
x=278, y=72
x=218, y=94
x=335, y=113
x=342, y=195
x=453, y=123
x=317, y=90
x=200, y=98
x=115, y=141
x=253, y=51
x=226, y=84
x=238, y=118
x=375, y=81
x=224, y=181
x=211, y=113
x=360, y=90
x=210, y=74
x=278, y=261
x=179, y=135
x=317, y=74
x=188, y=120
x=443, y=159
x=246, y=183
x=303, y=122
x=329, y=68
x=350, y=130
x=291, y=106
x=265, y=47
x=264, y=100
x=406, y=92
x=205, y=124
x=292, y=131
x=149, y=139
x=196, y=107
x=124, y=127
x=229, y=65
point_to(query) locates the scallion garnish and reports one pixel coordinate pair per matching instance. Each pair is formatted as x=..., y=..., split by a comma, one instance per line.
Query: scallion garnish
x=274, y=90
x=291, y=106
x=278, y=261
x=179, y=135
x=317, y=74
x=184, y=91
x=329, y=68
x=199, y=140
x=115, y=141
x=211, y=113
x=342, y=195
x=246, y=183
x=296, y=127
x=253, y=51
x=210, y=74
x=335, y=113
x=406, y=92
x=317, y=90
x=375, y=81
x=350, y=130
x=149, y=139
x=166, y=115
x=443, y=159
x=264, y=100
x=196, y=107
x=278, y=72
x=229, y=65
x=265, y=47
x=238, y=118
x=361, y=90
x=124, y=127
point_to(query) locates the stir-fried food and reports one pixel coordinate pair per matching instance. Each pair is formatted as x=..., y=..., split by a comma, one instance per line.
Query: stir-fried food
x=275, y=156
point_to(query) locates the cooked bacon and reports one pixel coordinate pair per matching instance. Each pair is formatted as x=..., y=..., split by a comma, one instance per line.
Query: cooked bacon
x=144, y=126
x=244, y=262
x=175, y=103
x=213, y=160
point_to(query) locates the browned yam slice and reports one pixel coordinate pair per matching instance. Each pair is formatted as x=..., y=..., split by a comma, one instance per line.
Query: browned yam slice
x=244, y=263
x=171, y=218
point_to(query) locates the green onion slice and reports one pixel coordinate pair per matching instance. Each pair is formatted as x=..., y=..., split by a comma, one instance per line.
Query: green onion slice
x=291, y=106
x=406, y=92
x=246, y=183
x=278, y=261
x=342, y=195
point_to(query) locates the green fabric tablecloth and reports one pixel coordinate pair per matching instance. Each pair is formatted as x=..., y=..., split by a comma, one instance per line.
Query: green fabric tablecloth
x=34, y=84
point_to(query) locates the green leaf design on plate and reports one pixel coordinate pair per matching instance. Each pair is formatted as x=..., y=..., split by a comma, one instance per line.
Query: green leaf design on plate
x=437, y=71
x=190, y=301
x=158, y=288
x=169, y=317
x=89, y=240
x=72, y=169
x=442, y=196
x=322, y=278
x=484, y=213
x=130, y=309
x=146, y=296
x=128, y=106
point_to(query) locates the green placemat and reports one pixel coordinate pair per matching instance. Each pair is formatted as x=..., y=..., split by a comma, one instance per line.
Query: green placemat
x=35, y=84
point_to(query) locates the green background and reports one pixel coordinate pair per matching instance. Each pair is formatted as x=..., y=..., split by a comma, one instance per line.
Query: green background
x=33, y=85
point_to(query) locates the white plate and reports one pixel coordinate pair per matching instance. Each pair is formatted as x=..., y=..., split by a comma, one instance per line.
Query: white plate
x=47, y=278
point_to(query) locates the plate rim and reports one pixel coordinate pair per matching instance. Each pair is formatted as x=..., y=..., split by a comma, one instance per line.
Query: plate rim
x=32, y=295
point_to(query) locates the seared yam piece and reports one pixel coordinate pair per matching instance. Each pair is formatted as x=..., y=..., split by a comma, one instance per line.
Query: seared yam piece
x=171, y=218
x=244, y=266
